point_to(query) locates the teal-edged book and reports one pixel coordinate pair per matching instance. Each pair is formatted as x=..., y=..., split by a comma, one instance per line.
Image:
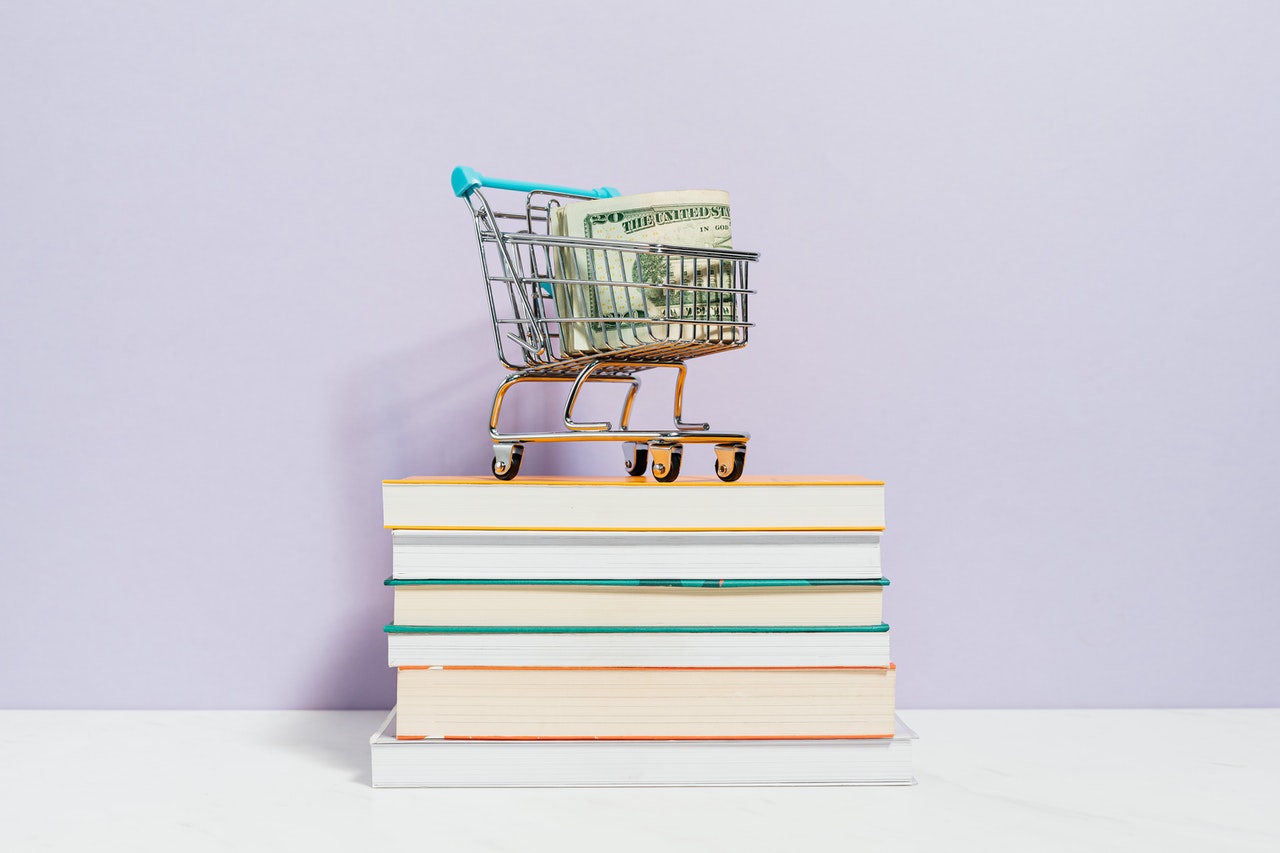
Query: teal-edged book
x=639, y=623
x=640, y=604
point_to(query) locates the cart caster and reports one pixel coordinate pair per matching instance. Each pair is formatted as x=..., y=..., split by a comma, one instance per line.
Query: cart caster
x=635, y=458
x=666, y=461
x=730, y=460
x=506, y=460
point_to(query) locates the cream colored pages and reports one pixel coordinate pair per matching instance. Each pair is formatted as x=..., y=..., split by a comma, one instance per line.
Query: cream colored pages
x=573, y=703
x=647, y=606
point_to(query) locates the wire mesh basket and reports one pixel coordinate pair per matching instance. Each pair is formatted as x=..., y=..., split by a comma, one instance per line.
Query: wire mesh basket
x=578, y=309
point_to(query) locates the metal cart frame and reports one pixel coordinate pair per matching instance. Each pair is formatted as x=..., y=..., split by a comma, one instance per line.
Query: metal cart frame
x=537, y=284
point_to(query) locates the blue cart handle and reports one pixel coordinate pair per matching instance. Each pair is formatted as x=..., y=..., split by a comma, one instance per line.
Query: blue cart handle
x=465, y=180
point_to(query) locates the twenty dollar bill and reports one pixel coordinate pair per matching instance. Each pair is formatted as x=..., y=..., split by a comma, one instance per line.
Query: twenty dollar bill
x=622, y=317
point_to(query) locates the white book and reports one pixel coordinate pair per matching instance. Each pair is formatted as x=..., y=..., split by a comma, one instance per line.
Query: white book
x=622, y=763
x=442, y=554
x=633, y=504
x=869, y=647
x=676, y=605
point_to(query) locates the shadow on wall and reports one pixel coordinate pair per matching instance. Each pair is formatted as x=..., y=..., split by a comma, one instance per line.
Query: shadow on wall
x=424, y=411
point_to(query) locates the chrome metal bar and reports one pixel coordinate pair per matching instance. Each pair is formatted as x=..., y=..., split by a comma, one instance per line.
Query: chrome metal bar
x=569, y=422
x=628, y=246
x=515, y=379
x=532, y=332
x=681, y=371
x=628, y=435
x=488, y=279
x=660, y=321
x=626, y=404
x=627, y=284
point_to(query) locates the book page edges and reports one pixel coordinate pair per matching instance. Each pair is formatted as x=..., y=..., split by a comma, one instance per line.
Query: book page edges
x=889, y=736
x=632, y=482
x=879, y=628
x=888, y=668
x=650, y=529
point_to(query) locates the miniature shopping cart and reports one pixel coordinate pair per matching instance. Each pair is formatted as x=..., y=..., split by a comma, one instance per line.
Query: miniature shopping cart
x=579, y=310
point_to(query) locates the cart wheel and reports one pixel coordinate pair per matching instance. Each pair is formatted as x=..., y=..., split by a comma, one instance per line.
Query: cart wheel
x=666, y=461
x=730, y=460
x=506, y=460
x=635, y=458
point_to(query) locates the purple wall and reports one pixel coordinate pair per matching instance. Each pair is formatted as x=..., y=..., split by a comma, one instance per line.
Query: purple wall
x=1022, y=264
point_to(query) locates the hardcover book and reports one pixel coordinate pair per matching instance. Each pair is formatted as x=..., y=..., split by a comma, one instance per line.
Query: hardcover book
x=633, y=504
x=568, y=763
x=639, y=603
x=634, y=703
x=762, y=646
x=586, y=555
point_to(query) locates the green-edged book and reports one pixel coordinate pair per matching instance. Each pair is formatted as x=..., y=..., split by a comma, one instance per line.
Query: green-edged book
x=648, y=603
x=638, y=623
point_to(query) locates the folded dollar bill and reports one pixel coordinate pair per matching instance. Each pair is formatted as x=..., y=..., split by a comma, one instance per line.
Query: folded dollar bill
x=623, y=317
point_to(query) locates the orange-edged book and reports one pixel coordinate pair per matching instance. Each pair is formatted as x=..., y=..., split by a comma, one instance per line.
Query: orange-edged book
x=572, y=703
x=633, y=504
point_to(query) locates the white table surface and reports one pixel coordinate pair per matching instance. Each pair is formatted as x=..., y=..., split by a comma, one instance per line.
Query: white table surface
x=172, y=781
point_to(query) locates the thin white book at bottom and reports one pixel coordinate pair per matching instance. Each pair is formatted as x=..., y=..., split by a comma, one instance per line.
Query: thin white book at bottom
x=441, y=647
x=442, y=763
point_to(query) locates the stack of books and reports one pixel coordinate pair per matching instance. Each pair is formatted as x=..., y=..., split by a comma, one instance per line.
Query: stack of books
x=551, y=631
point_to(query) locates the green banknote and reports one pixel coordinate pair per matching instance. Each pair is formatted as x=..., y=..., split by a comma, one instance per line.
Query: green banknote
x=624, y=317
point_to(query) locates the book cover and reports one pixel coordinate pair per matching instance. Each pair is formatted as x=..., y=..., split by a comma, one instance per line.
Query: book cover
x=558, y=763
x=653, y=603
x=526, y=763
x=633, y=504
x=613, y=554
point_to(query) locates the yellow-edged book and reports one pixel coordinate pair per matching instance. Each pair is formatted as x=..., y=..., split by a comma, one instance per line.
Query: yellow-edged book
x=634, y=504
